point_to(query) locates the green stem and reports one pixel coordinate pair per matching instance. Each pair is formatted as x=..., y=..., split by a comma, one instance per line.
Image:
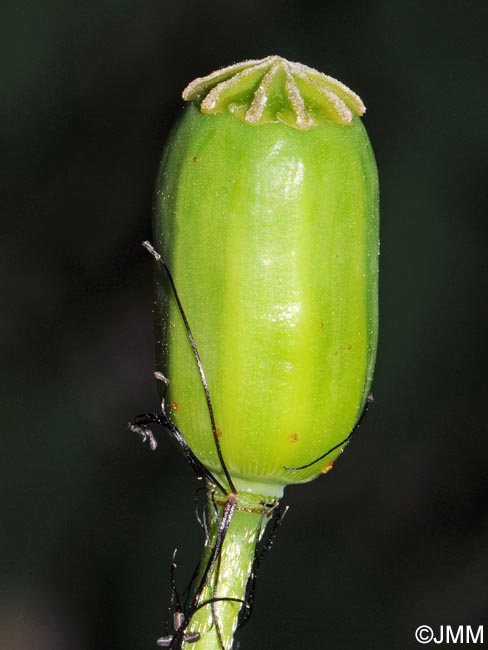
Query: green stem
x=235, y=525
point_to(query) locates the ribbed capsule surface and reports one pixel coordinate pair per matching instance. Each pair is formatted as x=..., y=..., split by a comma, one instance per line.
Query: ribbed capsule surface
x=271, y=236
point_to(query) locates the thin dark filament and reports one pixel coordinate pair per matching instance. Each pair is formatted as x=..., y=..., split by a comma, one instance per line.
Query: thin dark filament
x=340, y=444
x=175, y=597
x=278, y=516
x=220, y=599
x=201, y=519
x=188, y=588
x=201, y=371
x=214, y=503
x=228, y=512
x=214, y=603
x=194, y=461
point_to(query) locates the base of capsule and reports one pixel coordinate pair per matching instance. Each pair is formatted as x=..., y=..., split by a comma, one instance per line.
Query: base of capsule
x=261, y=489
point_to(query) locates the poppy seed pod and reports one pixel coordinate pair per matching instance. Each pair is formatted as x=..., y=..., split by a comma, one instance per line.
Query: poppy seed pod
x=267, y=217
x=266, y=238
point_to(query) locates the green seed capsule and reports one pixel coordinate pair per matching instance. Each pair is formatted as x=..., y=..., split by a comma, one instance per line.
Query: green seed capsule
x=267, y=217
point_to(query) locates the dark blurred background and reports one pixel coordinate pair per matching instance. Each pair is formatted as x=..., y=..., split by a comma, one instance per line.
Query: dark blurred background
x=397, y=535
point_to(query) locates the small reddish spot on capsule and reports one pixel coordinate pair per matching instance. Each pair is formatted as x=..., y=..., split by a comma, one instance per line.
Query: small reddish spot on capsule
x=194, y=159
x=321, y=327
x=349, y=347
x=293, y=437
x=326, y=468
x=174, y=406
x=219, y=432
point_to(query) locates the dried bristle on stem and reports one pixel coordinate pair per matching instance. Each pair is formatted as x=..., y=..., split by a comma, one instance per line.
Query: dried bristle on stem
x=278, y=515
x=182, y=633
